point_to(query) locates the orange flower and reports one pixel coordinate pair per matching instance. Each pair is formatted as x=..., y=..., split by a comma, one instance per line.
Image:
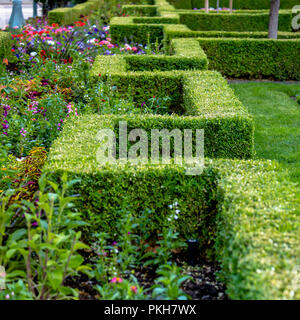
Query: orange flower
x=5, y=61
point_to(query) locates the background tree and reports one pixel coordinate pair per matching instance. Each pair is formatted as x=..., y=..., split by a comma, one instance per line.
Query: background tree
x=206, y=6
x=273, y=20
x=230, y=5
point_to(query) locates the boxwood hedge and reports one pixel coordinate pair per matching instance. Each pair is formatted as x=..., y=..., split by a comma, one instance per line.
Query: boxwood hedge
x=239, y=21
x=238, y=4
x=65, y=16
x=181, y=31
x=186, y=55
x=244, y=212
x=254, y=58
x=258, y=227
x=5, y=44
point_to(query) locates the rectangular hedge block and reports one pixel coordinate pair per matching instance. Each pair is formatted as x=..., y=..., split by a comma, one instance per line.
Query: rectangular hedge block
x=258, y=227
x=105, y=190
x=254, y=58
x=237, y=4
x=140, y=10
x=182, y=31
x=234, y=22
x=187, y=55
x=245, y=213
x=124, y=29
x=66, y=16
x=203, y=95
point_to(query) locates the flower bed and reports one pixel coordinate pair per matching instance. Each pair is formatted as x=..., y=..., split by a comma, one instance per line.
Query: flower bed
x=126, y=236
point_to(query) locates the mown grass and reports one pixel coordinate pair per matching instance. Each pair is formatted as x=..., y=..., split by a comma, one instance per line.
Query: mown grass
x=277, y=122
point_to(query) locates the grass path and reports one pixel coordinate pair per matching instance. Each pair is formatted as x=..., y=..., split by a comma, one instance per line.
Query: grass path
x=277, y=122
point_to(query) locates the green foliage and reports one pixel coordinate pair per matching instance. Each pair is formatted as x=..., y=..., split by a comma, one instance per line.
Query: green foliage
x=258, y=231
x=105, y=190
x=124, y=28
x=5, y=45
x=254, y=58
x=168, y=285
x=186, y=55
x=65, y=16
x=140, y=10
x=45, y=251
x=182, y=31
x=238, y=21
x=237, y=4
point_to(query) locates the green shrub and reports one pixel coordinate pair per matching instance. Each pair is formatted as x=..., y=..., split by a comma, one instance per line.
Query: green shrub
x=140, y=10
x=5, y=45
x=246, y=209
x=237, y=4
x=254, y=58
x=65, y=16
x=203, y=95
x=124, y=28
x=239, y=21
x=258, y=231
x=188, y=55
x=106, y=190
x=182, y=31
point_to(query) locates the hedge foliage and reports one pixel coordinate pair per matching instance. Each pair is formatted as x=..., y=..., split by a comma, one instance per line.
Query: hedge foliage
x=246, y=209
x=228, y=127
x=65, y=16
x=258, y=231
x=5, y=44
x=106, y=190
x=237, y=4
x=254, y=58
x=187, y=55
x=181, y=31
x=234, y=22
x=125, y=29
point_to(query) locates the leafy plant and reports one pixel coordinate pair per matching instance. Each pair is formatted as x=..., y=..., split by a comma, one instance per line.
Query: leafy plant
x=168, y=285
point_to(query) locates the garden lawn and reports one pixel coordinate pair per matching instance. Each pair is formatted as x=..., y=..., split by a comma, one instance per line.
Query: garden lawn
x=277, y=121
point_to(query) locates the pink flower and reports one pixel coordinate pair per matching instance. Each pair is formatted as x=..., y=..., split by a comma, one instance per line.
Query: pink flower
x=133, y=289
x=116, y=280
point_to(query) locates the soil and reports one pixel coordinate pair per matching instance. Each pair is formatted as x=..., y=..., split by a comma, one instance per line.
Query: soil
x=202, y=286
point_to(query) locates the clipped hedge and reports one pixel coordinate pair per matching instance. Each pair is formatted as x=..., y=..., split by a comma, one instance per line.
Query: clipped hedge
x=188, y=55
x=5, y=44
x=203, y=94
x=107, y=190
x=142, y=29
x=234, y=22
x=258, y=231
x=237, y=4
x=181, y=31
x=254, y=58
x=246, y=209
x=139, y=10
x=125, y=29
x=65, y=16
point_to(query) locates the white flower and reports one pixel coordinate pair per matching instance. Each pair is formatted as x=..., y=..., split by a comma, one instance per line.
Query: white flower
x=91, y=40
x=105, y=28
x=177, y=211
x=169, y=219
x=175, y=217
x=176, y=204
x=170, y=206
x=51, y=43
x=33, y=54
